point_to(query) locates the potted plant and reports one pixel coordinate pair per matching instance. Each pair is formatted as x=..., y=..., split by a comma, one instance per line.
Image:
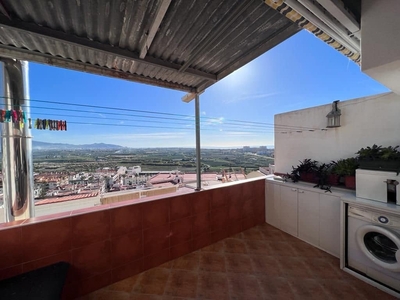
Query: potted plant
x=346, y=168
x=305, y=171
x=379, y=158
x=333, y=177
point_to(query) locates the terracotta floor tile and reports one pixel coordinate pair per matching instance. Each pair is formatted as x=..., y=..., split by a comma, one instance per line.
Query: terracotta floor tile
x=307, y=288
x=281, y=249
x=244, y=287
x=267, y=265
x=323, y=269
x=275, y=288
x=212, y=262
x=258, y=247
x=252, y=234
x=345, y=292
x=367, y=291
x=235, y=246
x=278, y=266
x=125, y=285
x=302, y=249
x=295, y=267
x=212, y=286
x=238, y=263
x=188, y=262
x=152, y=282
x=216, y=247
x=182, y=284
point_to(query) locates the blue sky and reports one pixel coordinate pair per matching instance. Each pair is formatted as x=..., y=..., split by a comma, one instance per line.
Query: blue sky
x=300, y=72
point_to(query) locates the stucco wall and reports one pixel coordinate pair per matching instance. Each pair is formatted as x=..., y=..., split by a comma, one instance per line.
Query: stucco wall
x=380, y=46
x=365, y=121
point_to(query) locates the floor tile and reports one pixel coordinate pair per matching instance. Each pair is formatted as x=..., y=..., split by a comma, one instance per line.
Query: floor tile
x=125, y=285
x=275, y=288
x=152, y=282
x=277, y=266
x=235, y=246
x=238, y=263
x=252, y=234
x=182, y=284
x=215, y=247
x=188, y=262
x=307, y=288
x=294, y=267
x=212, y=262
x=212, y=286
x=267, y=265
x=244, y=287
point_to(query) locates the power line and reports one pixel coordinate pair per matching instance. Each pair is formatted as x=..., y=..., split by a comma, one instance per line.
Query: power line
x=264, y=124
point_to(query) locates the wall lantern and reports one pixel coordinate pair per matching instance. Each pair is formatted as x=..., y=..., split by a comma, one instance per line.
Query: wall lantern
x=334, y=116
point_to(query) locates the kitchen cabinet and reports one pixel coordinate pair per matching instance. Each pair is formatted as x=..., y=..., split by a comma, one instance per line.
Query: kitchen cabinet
x=272, y=198
x=309, y=217
x=329, y=224
x=288, y=210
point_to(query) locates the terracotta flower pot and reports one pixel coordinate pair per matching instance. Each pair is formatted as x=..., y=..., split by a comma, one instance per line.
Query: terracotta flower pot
x=333, y=179
x=350, y=182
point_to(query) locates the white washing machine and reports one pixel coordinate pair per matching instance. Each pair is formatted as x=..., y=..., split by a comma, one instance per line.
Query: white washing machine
x=373, y=246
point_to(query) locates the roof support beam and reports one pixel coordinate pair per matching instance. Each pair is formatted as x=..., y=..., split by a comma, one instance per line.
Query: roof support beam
x=155, y=24
x=76, y=41
x=24, y=54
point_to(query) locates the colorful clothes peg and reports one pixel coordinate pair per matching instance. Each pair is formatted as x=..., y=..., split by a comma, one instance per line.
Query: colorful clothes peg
x=14, y=115
x=2, y=115
x=8, y=116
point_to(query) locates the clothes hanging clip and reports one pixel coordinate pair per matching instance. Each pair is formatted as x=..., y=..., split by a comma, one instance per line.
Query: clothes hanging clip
x=29, y=123
x=8, y=116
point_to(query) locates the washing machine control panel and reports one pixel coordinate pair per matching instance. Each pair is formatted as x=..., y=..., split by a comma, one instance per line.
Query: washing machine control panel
x=386, y=220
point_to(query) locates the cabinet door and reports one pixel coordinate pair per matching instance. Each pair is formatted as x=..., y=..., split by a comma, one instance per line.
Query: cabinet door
x=329, y=224
x=309, y=216
x=288, y=210
x=272, y=197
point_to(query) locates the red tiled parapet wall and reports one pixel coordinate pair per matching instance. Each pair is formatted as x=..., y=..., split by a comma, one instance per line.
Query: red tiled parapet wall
x=108, y=243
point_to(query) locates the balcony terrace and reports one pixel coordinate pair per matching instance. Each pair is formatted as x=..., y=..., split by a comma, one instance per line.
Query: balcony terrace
x=198, y=245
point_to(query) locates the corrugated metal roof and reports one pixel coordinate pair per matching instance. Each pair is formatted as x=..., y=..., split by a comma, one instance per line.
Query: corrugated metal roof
x=194, y=43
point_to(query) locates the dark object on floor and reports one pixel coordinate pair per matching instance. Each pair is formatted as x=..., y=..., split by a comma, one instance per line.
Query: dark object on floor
x=45, y=284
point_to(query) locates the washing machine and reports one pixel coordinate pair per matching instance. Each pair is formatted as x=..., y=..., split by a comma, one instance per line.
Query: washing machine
x=373, y=246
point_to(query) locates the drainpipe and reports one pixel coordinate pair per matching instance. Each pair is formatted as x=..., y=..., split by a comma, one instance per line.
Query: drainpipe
x=198, y=155
x=16, y=142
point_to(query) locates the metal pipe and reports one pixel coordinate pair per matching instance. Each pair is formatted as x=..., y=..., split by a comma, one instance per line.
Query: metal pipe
x=349, y=44
x=198, y=155
x=16, y=143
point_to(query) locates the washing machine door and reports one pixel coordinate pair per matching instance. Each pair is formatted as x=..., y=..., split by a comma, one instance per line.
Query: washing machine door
x=381, y=245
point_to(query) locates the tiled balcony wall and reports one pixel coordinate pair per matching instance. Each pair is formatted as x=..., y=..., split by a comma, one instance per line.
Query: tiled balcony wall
x=109, y=243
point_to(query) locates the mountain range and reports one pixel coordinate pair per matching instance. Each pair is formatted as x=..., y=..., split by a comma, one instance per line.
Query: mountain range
x=36, y=145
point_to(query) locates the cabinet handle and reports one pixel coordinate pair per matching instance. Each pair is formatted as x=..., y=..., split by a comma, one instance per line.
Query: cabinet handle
x=294, y=190
x=301, y=192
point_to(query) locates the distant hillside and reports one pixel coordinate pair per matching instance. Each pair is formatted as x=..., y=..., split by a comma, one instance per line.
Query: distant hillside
x=36, y=145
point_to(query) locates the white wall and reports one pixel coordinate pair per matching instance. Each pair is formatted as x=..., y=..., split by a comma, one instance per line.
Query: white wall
x=380, y=45
x=365, y=121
